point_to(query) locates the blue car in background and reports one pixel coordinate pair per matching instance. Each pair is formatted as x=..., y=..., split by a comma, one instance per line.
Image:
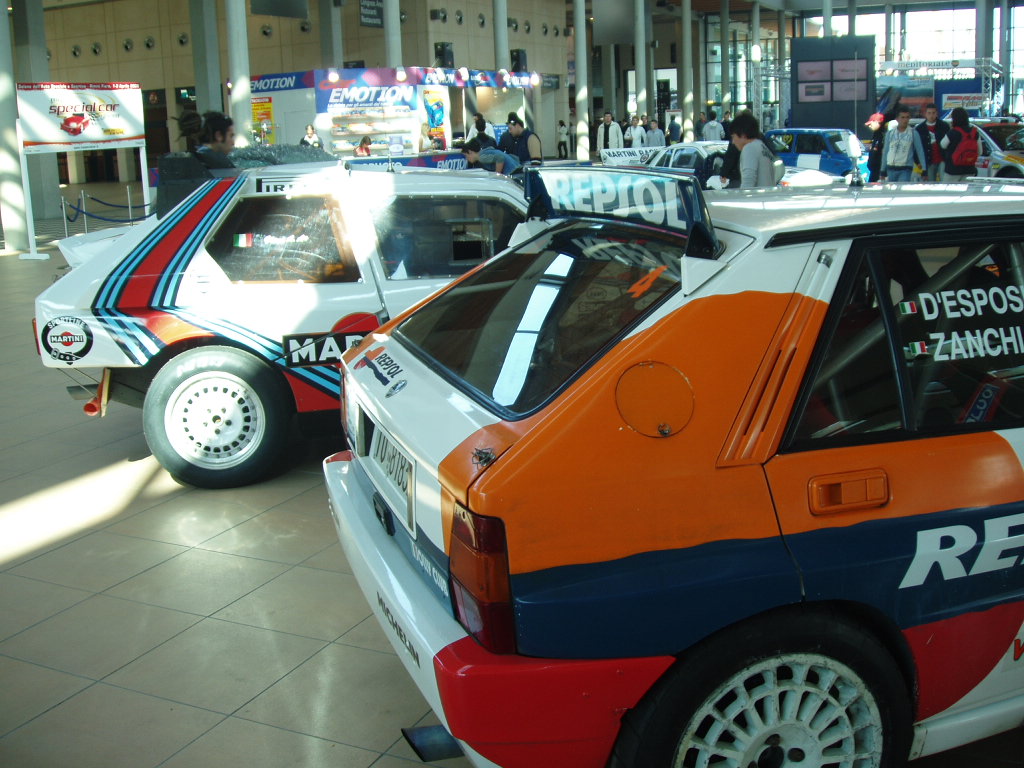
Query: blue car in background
x=833, y=150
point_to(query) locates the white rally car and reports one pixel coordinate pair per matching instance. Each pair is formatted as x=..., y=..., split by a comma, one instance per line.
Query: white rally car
x=227, y=316
x=685, y=483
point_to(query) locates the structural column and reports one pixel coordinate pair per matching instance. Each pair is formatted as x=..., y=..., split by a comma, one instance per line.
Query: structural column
x=13, y=204
x=723, y=29
x=579, y=38
x=392, y=34
x=32, y=67
x=851, y=15
x=502, y=53
x=238, y=68
x=332, y=52
x=684, y=70
x=206, y=55
x=982, y=29
x=640, y=54
x=1005, y=38
x=889, y=52
x=756, y=83
x=608, y=76
x=826, y=17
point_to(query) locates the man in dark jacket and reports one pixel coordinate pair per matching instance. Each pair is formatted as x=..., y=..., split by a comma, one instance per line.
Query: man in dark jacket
x=932, y=131
x=520, y=141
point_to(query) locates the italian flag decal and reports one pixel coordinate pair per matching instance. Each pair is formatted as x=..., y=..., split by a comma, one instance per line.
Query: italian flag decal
x=915, y=348
x=908, y=307
x=243, y=241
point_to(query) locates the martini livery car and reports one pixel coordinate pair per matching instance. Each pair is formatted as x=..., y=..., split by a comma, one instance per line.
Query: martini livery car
x=675, y=483
x=229, y=315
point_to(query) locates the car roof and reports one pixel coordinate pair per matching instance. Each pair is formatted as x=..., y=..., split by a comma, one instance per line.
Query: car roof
x=806, y=130
x=782, y=216
x=324, y=178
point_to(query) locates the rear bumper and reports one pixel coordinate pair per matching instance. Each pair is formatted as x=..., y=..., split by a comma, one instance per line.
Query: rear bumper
x=506, y=710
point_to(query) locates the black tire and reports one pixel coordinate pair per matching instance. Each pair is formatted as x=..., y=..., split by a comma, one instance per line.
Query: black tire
x=217, y=417
x=856, y=696
x=1010, y=173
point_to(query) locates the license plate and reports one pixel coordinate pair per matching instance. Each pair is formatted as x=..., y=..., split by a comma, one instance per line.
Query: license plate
x=397, y=470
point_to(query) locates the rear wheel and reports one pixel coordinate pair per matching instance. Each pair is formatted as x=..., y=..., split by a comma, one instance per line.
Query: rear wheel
x=813, y=692
x=217, y=417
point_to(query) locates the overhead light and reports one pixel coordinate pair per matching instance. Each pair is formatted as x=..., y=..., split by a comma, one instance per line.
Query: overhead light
x=464, y=73
x=534, y=79
x=332, y=75
x=400, y=74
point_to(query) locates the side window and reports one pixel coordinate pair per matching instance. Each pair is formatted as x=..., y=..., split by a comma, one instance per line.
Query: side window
x=420, y=237
x=810, y=144
x=959, y=314
x=786, y=139
x=685, y=159
x=855, y=390
x=929, y=340
x=278, y=239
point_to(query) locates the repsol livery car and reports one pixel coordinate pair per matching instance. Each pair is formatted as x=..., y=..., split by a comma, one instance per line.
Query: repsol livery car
x=228, y=315
x=687, y=483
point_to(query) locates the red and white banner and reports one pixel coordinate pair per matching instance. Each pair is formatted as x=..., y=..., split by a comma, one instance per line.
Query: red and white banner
x=64, y=117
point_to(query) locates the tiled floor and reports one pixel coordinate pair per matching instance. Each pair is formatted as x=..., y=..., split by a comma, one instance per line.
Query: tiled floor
x=143, y=623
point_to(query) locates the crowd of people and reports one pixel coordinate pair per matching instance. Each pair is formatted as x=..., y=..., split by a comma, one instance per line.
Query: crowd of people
x=933, y=150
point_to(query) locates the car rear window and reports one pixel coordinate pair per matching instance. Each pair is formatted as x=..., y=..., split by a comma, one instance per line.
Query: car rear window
x=519, y=329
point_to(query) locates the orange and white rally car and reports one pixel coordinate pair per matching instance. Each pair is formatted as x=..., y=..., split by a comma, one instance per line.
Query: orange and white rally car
x=685, y=483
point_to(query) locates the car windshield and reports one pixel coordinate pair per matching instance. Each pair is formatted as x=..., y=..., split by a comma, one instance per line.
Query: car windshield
x=1016, y=140
x=518, y=330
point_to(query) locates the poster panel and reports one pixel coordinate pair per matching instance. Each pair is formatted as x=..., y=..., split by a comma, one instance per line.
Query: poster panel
x=64, y=117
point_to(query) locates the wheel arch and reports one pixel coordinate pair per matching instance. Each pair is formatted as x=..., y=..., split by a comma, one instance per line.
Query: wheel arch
x=868, y=618
x=1009, y=172
x=130, y=385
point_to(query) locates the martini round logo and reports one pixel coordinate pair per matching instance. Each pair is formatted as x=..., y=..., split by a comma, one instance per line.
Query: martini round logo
x=67, y=339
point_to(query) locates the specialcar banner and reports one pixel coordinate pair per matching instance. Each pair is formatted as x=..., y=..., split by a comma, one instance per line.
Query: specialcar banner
x=63, y=117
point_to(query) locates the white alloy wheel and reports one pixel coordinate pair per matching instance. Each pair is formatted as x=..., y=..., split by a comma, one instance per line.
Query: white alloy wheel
x=796, y=710
x=214, y=420
x=218, y=417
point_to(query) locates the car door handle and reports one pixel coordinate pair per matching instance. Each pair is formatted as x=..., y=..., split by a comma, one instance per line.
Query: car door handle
x=848, y=491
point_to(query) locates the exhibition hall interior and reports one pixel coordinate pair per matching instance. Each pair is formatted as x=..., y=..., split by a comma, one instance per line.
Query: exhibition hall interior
x=154, y=616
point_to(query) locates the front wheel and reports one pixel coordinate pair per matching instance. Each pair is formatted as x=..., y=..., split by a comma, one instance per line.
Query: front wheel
x=802, y=692
x=216, y=417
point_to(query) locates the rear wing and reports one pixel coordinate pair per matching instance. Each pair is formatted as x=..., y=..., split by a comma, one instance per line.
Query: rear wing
x=667, y=201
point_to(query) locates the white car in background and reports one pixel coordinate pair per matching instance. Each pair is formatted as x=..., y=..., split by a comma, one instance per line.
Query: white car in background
x=704, y=159
x=226, y=317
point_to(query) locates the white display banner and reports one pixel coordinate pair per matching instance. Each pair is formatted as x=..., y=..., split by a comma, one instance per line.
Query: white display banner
x=64, y=117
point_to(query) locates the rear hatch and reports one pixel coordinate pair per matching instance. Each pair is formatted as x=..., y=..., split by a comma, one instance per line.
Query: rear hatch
x=435, y=400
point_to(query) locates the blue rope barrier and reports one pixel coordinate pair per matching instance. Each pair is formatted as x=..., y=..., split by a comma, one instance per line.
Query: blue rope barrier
x=71, y=219
x=107, y=218
x=116, y=205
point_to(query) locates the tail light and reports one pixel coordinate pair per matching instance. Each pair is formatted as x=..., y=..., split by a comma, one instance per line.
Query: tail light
x=481, y=592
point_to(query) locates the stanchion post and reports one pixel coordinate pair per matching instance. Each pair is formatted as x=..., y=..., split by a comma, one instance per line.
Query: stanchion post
x=128, y=191
x=64, y=214
x=82, y=213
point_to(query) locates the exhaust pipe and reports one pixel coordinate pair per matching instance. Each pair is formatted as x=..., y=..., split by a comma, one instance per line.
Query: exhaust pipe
x=432, y=743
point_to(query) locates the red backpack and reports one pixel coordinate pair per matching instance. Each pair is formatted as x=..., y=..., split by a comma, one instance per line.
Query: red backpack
x=966, y=151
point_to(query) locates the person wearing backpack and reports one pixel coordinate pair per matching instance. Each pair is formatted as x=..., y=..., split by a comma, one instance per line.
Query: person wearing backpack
x=960, y=147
